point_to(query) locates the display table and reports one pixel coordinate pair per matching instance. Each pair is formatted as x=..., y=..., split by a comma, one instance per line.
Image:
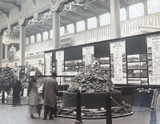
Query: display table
x=90, y=100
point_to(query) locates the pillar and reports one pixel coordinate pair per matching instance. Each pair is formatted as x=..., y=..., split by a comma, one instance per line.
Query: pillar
x=115, y=18
x=98, y=21
x=55, y=43
x=1, y=47
x=6, y=51
x=49, y=37
x=127, y=13
x=145, y=7
x=86, y=24
x=75, y=27
x=22, y=45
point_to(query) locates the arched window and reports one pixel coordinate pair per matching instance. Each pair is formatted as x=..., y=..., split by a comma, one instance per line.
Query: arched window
x=70, y=28
x=105, y=19
x=32, y=39
x=39, y=37
x=136, y=10
x=153, y=6
x=80, y=26
x=45, y=35
x=27, y=40
x=123, y=14
x=92, y=22
x=62, y=30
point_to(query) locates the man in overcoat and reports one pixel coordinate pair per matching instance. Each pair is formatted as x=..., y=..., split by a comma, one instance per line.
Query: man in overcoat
x=49, y=92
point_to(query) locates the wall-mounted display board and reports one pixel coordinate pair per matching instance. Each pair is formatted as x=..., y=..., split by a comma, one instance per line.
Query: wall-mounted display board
x=131, y=60
x=73, y=62
x=102, y=54
x=88, y=54
x=118, y=62
x=153, y=53
x=60, y=62
x=137, y=71
x=48, y=63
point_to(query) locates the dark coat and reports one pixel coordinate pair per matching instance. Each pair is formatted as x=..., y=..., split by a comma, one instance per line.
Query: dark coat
x=49, y=92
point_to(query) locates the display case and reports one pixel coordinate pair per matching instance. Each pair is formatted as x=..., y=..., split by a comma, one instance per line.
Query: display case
x=137, y=63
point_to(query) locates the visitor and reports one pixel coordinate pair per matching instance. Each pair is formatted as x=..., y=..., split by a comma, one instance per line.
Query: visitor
x=49, y=93
x=33, y=99
x=17, y=93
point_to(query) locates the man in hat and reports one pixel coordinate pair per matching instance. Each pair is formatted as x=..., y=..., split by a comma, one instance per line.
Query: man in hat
x=49, y=92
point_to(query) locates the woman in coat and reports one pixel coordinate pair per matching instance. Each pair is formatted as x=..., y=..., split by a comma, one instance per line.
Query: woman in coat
x=33, y=99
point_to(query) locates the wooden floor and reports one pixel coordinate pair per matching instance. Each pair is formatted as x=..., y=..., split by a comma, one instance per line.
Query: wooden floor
x=19, y=115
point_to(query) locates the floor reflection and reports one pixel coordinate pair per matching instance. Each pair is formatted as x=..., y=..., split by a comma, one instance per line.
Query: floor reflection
x=153, y=116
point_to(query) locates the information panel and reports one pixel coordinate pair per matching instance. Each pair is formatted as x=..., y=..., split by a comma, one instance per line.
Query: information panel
x=60, y=62
x=48, y=63
x=153, y=52
x=118, y=62
x=88, y=54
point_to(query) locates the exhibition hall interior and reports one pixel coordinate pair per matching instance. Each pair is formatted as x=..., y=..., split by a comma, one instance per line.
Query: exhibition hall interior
x=102, y=55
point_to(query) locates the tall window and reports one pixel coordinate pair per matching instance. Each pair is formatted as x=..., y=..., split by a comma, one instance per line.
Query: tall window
x=45, y=35
x=153, y=6
x=92, y=22
x=105, y=19
x=123, y=14
x=80, y=26
x=136, y=10
x=62, y=31
x=32, y=39
x=70, y=28
x=39, y=38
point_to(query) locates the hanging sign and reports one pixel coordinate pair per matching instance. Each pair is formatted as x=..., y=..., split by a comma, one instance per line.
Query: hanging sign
x=60, y=62
x=48, y=63
x=88, y=54
x=118, y=62
x=153, y=53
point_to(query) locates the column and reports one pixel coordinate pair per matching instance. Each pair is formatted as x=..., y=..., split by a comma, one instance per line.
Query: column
x=115, y=18
x=98, y=21
x=127, y=13
x=145, y=7
x=75, y=27
x=6, y=51
x=22, y=45
x=55, y=43
x=86, y=24
x=35, y=36
x=41, y=36
x=49, y=37
x=1, y=47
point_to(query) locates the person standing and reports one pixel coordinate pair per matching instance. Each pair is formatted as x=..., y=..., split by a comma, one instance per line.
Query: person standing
x=17, y=93
x=33, y=99
x=49, y=91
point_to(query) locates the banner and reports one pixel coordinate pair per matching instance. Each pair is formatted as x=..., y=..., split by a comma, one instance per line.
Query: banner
x=118, y=62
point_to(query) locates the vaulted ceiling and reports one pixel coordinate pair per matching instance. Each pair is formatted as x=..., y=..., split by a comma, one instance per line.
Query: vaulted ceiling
x=72, y=12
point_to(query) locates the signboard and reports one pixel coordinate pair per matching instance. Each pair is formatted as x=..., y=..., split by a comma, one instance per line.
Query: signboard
x=118, y=62
x=60, y=62
x=88, y=54
x=48, y=63
x=153, y=53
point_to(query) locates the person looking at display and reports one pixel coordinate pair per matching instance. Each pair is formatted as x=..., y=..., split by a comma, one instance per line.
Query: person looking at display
x=49, y=92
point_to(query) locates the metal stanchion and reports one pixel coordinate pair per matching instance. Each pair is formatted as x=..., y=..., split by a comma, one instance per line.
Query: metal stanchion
x=108, y=109
x=3, y=96
x=78, y=103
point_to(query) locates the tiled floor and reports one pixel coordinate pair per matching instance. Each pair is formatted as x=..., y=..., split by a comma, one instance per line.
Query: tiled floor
x=19, y=115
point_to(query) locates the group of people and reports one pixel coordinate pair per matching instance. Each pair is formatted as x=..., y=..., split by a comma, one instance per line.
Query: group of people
x=48, y=96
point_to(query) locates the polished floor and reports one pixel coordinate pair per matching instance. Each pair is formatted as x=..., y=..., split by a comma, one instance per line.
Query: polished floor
x=19, y=115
